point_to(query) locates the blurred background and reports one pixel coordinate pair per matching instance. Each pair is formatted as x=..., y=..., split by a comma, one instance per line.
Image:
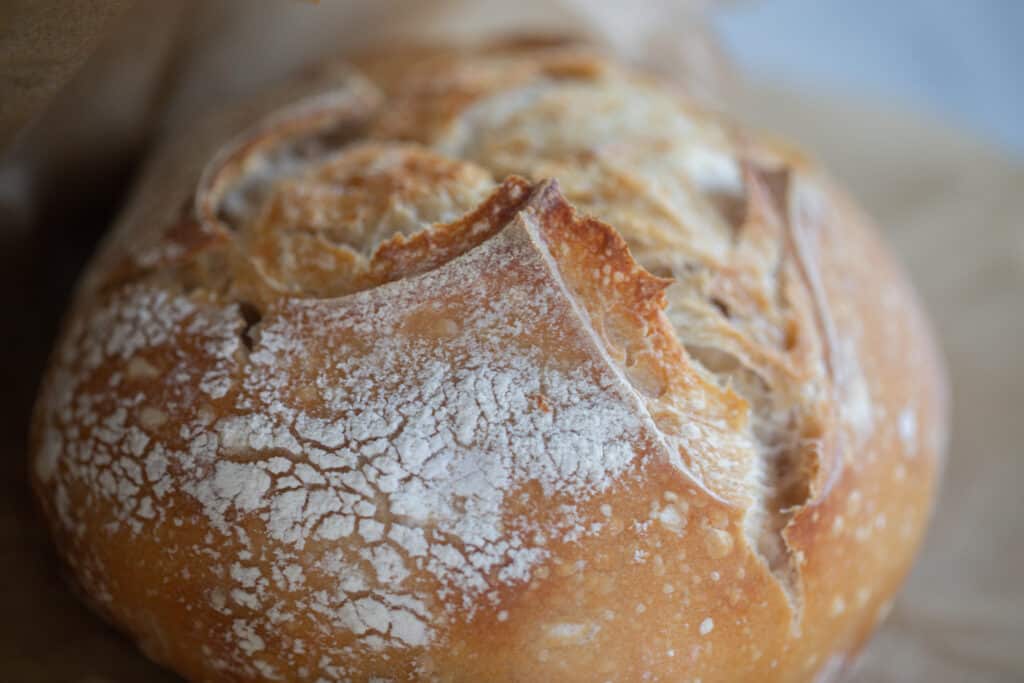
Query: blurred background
x=917, y=106
x=957, y=62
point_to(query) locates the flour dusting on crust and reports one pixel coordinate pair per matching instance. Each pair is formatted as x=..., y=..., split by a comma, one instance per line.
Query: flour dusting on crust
x=365, y=439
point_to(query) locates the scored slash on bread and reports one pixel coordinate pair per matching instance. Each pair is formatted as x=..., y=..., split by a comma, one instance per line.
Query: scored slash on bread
x=496, y=365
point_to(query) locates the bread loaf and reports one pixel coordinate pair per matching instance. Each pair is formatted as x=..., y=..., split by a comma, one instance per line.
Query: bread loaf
x=503, y=364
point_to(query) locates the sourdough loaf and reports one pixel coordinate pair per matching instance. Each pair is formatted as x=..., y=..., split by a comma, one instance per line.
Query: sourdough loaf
x=495, y=364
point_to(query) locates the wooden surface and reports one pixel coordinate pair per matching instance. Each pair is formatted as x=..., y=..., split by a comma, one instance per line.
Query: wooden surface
x=950, y=207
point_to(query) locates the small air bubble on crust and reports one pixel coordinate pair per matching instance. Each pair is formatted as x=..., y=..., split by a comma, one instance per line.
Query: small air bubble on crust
x=152, y=418
x=140, y=369
x=907, y=426
x=719, y=543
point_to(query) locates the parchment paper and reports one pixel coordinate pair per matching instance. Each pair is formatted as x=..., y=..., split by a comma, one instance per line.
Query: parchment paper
x=949, y=206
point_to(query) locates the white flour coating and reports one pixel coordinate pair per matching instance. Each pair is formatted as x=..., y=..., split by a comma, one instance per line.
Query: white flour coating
x=857, y=407
x=110, y=450
x=376, y=461
x=907, y=428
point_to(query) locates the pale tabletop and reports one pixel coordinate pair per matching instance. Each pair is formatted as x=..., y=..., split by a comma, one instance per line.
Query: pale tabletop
x=950, y=207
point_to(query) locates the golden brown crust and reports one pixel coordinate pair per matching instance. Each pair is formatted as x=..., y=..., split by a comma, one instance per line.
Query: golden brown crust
x=505, y=364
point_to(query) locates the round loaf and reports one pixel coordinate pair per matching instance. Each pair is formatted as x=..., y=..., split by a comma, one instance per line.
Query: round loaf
x=503, y=364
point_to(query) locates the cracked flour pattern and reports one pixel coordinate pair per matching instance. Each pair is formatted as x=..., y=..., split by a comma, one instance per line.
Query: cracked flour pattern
x=373, y=444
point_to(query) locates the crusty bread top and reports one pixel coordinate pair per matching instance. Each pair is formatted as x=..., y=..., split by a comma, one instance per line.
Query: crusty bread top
x=374, y=316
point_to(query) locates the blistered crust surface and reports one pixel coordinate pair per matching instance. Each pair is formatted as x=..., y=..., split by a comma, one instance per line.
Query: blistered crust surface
x=500, y=365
